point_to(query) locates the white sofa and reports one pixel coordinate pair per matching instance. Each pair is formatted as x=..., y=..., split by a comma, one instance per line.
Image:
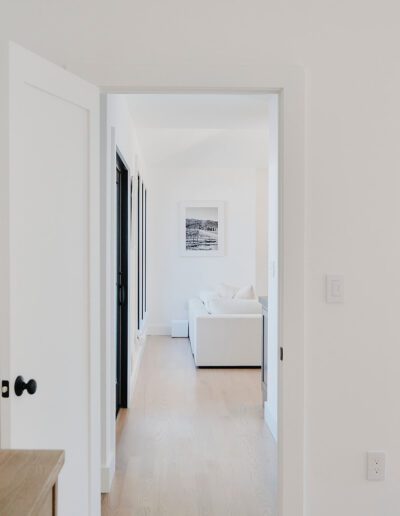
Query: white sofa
x=224, y=339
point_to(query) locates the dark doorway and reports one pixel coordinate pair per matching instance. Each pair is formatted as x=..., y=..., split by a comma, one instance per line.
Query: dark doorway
x=122, y=262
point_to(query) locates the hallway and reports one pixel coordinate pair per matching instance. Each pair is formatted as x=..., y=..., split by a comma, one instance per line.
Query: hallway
x=194, y=441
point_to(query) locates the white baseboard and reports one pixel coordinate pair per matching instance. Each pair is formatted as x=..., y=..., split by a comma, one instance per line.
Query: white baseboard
x=107, y=475
x=271, y=421
x=158, y=330
x=141, y=335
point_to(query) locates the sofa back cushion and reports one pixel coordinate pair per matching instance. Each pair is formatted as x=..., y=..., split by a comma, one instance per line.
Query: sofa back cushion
x=206, y=296
x=233, y=306
x=226, y=291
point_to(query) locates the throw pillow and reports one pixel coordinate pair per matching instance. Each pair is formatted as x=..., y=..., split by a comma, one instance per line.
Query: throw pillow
x=246, y=293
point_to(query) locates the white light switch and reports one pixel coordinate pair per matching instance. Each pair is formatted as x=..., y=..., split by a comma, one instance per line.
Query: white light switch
x=376, y=466
x=334, y=288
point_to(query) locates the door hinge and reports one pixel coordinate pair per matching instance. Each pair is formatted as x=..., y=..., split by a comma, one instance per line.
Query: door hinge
x=281, y=354
x=5, y=389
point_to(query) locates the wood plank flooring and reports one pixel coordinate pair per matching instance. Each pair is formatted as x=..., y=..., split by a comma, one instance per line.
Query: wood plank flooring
x=194, y=441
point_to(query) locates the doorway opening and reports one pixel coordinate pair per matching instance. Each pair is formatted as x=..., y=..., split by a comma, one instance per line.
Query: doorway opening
x=210, y=166
x=123, y=196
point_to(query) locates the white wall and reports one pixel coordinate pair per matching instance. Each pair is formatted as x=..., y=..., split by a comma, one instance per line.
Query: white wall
x=350, y=53
x=173, y=279
x=118, y=132
x=262, y=207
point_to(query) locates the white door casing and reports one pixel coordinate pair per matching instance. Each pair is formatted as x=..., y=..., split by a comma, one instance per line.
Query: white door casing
x=288, y=82
x=51, y=300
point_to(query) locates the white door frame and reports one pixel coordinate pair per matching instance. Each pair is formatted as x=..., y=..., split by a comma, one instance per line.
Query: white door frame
x=288, y=83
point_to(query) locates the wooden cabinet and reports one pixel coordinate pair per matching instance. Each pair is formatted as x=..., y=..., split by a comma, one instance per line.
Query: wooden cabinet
x=28, y=482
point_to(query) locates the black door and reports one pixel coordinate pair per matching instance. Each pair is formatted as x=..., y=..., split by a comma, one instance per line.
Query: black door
x=122, y=179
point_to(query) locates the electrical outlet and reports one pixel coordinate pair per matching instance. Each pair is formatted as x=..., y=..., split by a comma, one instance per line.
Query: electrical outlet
x=376, y=466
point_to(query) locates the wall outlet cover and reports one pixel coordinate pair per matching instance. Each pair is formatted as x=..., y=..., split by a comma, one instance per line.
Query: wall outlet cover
x=376, y=466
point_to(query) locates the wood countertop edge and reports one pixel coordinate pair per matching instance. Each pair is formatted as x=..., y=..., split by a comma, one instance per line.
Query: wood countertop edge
x=51, y=480
x=53, y=460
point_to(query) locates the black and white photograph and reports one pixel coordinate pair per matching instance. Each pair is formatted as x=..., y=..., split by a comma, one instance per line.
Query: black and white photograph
x=202, y=228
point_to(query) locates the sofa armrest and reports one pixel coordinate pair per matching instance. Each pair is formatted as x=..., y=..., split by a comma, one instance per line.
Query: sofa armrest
x=196, y=309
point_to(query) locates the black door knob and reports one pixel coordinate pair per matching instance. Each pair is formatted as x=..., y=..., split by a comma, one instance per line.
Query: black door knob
x=20, y=386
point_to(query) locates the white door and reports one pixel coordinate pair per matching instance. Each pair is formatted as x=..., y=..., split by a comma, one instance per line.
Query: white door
x=52, y=297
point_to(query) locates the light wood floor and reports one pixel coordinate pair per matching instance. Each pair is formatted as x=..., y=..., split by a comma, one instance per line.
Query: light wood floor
x=194, y=441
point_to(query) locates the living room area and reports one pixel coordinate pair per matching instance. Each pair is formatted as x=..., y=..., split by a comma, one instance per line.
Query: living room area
x=202, y=243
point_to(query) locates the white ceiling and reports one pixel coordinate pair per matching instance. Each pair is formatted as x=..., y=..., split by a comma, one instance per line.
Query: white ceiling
x=206, y=111
x=198, y=131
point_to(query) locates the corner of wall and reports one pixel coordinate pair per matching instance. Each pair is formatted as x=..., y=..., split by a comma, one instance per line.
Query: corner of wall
x=107, y=474
x=270, y=419
x=141, y=338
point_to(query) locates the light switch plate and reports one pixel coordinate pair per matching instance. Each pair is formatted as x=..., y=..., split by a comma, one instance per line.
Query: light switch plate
x=334, y=288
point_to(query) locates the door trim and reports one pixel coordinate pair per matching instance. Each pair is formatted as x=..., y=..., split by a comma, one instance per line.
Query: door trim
x=125, y=250
x=288, y=83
